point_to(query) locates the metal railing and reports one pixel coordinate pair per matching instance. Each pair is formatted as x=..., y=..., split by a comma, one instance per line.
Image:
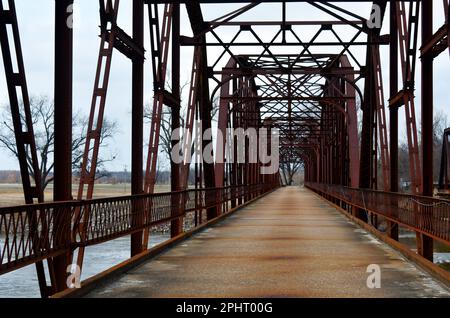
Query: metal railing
x=426, y=215
x=31, y=233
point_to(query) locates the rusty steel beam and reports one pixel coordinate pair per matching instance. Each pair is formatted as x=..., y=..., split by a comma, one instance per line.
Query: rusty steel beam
x=205, y=108
x=368, y=162
x=262, y=1
x=160, y=43
x=20, y=103
x=108, y=16
x=112, y=37
x=194, y=90
x=437, y=44
x=408, y=25
x=224, y=19
x=223, y=121
x=444, y=172
x=425, y=243
x=195, y=17
x=352, y=127
x=160, y=46
x=393, y=115
x=204, y=102
x=291, y=98
x=381, y=118
x=367, y=134
x=278, y=70
x=176, y=226
x=23, y=129
x=281, y=23
x=62, y=184
x=137, y=120
x=185, y=41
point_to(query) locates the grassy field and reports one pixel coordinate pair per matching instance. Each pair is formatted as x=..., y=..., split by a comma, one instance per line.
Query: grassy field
x=12, y=194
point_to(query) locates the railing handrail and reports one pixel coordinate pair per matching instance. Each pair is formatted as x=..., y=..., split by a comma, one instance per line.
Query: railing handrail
x=413, y=212
x=38, y=231
x=410, y=195
x=77, y=203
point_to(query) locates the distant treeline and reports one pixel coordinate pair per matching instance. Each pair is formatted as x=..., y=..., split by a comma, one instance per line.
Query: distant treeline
x=10, y=176
x=107, y=177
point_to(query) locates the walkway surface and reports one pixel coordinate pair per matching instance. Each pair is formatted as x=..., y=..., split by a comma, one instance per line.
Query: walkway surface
x=290, y=243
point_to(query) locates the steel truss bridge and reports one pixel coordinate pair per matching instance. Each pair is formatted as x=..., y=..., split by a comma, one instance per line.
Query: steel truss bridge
x=270, y=74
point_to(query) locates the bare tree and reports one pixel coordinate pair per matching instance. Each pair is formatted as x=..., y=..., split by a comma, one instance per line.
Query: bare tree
x=440, y=123
x=42, y=112
x=289, y=170
x=109, y=130
x=165, y=138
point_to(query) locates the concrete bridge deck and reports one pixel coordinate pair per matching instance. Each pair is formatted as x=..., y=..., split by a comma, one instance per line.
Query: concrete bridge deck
x=290, y=243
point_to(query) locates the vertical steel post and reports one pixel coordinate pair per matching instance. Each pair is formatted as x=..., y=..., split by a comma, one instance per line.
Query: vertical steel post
x=393, y=113
x=137, y=126
x=367, y=134
x=205, y=116
x=62, y=190
x=425, y=247
x=445, y=161
x=176, y=226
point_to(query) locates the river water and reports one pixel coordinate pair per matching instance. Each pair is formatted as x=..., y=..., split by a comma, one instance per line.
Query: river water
x=441, y=253
x=23, y=283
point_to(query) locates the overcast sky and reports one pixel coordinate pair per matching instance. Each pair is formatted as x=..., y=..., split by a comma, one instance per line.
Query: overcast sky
x=37, y=32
